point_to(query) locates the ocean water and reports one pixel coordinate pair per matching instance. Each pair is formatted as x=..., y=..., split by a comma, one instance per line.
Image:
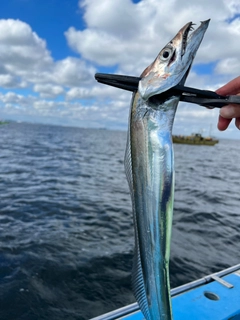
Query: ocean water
x=66, y=230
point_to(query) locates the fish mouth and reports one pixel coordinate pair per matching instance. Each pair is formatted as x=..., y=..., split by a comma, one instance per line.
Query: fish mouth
x=185, y=36
x=172, y=65
x=188, y=38
x=173, y=58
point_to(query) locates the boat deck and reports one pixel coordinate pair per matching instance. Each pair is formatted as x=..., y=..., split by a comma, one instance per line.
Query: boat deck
x=215, y=297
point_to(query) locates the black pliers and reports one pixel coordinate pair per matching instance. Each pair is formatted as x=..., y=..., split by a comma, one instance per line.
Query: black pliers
x=204, y=98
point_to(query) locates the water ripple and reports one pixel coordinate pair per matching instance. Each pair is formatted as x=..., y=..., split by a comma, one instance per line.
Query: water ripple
x=66, y=219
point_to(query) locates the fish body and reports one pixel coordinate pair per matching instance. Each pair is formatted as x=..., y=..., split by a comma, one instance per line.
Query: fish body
x=149, y=166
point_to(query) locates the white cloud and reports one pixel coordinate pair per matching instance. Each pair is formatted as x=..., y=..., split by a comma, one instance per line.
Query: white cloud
x=233, y=6
x=48, y=90
x=130, y=35
x=228, y=66
x=9, y=81
x=79, y=93
x=73, y=72
x=114, y=17
x=16, y=99
x=26, y=59
x=99, y=92
x=21, y=49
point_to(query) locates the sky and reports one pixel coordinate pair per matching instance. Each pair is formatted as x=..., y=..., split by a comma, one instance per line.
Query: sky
x=50, y=51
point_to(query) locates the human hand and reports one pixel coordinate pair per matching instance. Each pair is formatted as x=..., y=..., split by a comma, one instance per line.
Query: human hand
x=227, y=113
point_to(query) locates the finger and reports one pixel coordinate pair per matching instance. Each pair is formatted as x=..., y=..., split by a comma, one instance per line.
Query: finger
x=230, y=111
x=237, y=123
x=232, y=87
x=223, y=123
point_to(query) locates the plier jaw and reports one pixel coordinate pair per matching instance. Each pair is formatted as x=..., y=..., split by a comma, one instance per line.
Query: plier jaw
x=119, y=81
x=205, y=98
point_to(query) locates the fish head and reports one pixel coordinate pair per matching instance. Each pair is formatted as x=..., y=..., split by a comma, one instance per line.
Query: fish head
x=173, y=63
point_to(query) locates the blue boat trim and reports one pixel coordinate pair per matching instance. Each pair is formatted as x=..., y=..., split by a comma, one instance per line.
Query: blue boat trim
x=208, y=298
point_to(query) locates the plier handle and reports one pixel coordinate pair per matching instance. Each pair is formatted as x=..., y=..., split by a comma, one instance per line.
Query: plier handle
x=204, y=98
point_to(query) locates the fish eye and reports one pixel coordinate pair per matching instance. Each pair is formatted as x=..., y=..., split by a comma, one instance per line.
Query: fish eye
x=165, y=54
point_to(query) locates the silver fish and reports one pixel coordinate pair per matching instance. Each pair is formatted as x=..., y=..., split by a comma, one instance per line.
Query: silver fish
x=149, y=167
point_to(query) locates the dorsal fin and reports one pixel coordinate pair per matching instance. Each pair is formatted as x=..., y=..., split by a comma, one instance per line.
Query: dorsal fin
x=137, y=275
x=138, y=283
x=128, y=164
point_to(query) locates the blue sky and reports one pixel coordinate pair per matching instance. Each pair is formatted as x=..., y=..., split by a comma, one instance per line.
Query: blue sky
x=50, y=51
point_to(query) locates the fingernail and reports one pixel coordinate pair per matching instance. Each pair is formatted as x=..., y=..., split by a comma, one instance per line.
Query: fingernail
x=227, y=111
